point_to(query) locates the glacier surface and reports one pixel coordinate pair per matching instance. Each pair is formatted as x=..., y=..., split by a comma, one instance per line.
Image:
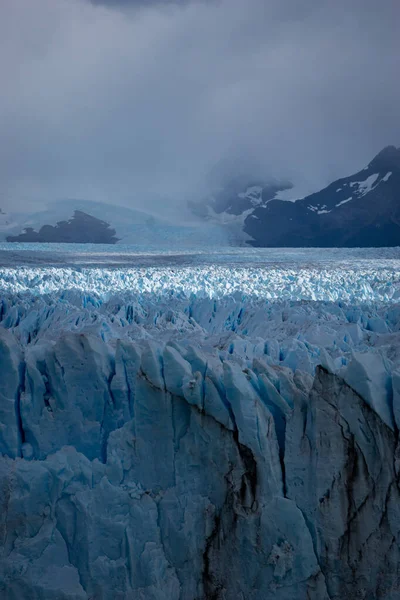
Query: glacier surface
x=218, y=426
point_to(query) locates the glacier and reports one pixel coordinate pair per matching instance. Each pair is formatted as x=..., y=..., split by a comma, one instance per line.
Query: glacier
x=217, y=426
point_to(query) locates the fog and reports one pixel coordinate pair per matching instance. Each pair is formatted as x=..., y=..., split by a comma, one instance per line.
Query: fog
x=137, y=103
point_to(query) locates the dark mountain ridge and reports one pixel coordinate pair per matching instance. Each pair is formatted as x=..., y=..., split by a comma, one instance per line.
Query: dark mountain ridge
x=80, y=229
x=357, y=211
x=362, y=210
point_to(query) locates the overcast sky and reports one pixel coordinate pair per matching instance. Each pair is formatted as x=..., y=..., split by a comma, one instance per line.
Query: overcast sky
x=130, y=101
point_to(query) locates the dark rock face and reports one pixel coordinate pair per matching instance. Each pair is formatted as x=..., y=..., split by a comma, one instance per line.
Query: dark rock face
x=81, y=229
x=362, y=210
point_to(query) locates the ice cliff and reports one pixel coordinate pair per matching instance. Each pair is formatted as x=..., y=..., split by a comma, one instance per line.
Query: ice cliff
x=178, y=446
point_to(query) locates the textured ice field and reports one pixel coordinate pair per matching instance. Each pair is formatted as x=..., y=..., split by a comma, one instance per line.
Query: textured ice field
x=368, y=284
x=298, y=306
x=324, y=275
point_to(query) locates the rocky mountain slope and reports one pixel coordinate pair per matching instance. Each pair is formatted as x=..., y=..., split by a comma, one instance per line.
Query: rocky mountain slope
x=357, y=211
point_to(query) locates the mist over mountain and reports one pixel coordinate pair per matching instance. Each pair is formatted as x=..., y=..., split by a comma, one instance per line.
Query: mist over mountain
x=359, y=210
x=355, y=211
x=131, y=226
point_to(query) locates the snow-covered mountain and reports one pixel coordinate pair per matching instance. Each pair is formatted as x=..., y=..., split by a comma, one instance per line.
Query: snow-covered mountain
x=359, y=210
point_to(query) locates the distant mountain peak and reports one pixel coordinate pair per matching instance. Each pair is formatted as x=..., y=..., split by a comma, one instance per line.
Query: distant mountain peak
x=360, y=210
x=388, y=157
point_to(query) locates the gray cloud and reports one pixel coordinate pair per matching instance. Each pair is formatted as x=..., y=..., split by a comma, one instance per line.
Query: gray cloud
x=134, y=106
x=118, y=4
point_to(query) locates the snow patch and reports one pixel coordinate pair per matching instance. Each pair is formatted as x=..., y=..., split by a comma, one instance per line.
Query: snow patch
x=364, y=187
x=320, y=210
x=345, y=201
x=386, y=178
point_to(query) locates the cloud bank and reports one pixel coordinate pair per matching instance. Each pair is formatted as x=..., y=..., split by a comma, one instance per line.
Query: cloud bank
x=135, y=102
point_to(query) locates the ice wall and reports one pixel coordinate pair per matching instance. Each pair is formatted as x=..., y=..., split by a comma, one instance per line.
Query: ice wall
x=185, y=447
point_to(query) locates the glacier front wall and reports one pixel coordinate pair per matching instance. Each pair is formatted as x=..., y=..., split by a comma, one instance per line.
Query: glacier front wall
x=150, y=470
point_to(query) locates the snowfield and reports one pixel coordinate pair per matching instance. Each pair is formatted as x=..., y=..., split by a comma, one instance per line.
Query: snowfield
x=168, y=419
